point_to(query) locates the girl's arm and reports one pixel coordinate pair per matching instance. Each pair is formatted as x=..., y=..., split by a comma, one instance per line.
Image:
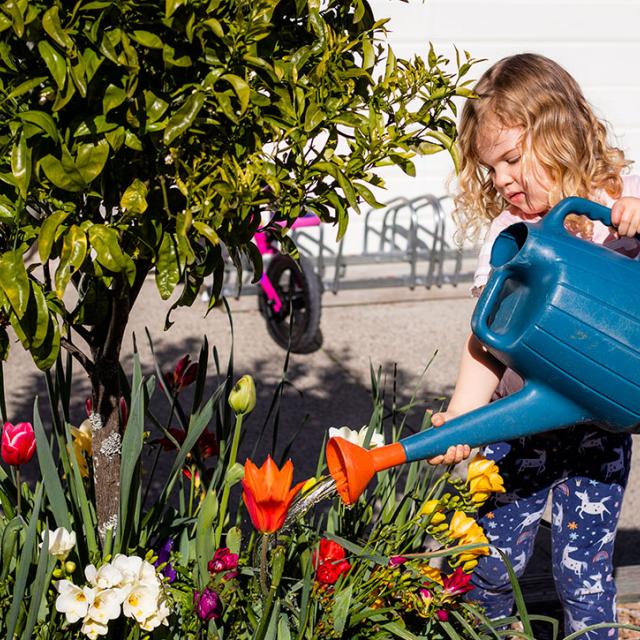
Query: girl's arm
x=478, y=378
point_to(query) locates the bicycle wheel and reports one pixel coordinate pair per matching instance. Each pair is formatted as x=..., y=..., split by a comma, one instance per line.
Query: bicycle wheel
x=296, y=325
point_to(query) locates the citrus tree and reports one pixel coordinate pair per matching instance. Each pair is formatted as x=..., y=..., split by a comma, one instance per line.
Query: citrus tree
x=144, y=137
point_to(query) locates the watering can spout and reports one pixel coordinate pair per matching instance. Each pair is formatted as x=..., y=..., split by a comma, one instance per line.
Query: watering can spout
x=534, y=409
x=561, y=312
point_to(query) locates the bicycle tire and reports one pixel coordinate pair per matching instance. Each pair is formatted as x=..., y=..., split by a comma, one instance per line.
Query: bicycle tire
x=300, y=290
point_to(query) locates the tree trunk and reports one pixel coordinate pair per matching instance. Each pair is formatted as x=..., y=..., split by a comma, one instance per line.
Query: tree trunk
x=106, y=442
x=105, y=418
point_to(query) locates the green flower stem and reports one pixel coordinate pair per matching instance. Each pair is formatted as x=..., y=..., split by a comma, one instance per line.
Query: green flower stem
x=19, y=490
x=264, y=547
x=227, y=487
x=277, y=568
x=192, y=489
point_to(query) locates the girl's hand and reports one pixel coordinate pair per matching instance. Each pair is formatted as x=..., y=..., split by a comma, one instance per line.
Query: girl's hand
x=625, y=216
x=454, y=454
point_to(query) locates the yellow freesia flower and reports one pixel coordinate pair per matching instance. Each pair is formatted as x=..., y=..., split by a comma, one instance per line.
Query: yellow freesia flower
x=462, y=525
x=434, y=574
x=82, y=445
x=429, y=508
x=468, y=531
x=483, y=478
x=309, y=484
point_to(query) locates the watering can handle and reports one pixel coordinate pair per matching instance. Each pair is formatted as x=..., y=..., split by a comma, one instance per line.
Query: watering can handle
x=554, y=220
x=487, y=301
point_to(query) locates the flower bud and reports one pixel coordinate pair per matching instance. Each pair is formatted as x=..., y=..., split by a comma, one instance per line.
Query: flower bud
x=69, y=567
x=242, y=398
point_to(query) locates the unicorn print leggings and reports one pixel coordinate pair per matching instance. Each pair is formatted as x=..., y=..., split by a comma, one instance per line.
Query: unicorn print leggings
x=586, y=471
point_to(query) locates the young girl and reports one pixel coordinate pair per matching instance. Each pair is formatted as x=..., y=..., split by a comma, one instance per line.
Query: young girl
x=529, y=140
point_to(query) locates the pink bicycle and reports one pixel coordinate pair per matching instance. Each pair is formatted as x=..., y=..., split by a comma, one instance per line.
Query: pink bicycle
x=290, y=293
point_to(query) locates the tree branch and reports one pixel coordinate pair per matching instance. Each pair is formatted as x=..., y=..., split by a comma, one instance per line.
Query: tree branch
x=78, y=354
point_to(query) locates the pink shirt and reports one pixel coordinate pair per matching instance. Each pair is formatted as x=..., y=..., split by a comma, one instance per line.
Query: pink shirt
x=601, y=233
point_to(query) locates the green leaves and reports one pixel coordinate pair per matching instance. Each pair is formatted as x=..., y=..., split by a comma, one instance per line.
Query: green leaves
x=106, y=243
x=55, y=62
x=167, y=267
x=134, y=199
x=14, y=281
x=76, y=174
x=51, y=24
x=183, y=118
x=150, y=136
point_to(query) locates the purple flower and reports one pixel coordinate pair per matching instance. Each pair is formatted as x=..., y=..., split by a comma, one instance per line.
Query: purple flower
x=164, y=555
x=396, y=561
x=223, y=560
x=442, y=615
x=207, y=605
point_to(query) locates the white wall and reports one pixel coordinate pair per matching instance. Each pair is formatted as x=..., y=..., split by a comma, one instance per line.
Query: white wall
x=598, y=42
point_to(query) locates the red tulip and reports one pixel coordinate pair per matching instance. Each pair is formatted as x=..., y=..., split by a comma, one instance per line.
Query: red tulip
x=329, y=551
x=267, y=493
x=207, y=444
x=184, y=373
x=329, y=572
x=18, y=443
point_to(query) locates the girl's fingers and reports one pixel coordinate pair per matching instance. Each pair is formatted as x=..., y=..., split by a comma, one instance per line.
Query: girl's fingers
x=454, y=455
x=437, y=419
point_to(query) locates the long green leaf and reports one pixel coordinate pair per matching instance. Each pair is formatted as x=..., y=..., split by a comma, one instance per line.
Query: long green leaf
x=49, y=472
x=39, y=586
x=400, y=632
x=342, y=602
x=88, y=515
x=132, y=444
x=517, y=594
x=205, y=539
x=24, y=564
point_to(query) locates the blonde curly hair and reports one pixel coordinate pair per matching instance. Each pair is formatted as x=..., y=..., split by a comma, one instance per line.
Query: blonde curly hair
x=561, y=132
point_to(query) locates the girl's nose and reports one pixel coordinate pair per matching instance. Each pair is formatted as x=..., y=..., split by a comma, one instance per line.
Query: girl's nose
x=502, y=178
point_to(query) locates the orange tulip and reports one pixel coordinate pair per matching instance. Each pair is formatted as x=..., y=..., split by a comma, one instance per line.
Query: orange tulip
x=267, y=493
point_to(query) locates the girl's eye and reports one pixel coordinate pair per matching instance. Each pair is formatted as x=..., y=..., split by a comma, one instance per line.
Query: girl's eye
x=513, y=160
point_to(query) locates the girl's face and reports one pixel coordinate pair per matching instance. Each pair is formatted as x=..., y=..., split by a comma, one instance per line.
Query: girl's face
x=500, y=151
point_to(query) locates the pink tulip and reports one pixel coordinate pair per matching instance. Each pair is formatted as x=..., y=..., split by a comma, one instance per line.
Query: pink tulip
x=18, y=443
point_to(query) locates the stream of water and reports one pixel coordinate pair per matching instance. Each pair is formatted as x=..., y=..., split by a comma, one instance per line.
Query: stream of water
x=325, y=488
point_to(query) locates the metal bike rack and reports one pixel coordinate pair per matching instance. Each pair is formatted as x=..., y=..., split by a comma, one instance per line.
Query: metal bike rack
x=411, y=232
x=409, y=236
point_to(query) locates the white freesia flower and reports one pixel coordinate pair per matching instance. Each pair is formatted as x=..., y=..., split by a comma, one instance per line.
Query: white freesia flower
x=128, y=566
x=105, y=606
x=158, y=618
x=141, y=602
x=61, y=542
x=73, y=601
x=106, y=577
x=92, y=628
x=127, y=584
x=148, y=575
x=357, y=437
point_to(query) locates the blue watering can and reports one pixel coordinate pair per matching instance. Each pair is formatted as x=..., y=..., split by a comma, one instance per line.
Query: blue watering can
x=562, y=312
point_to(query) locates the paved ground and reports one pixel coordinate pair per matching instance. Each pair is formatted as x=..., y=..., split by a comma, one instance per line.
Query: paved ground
x=382, y=327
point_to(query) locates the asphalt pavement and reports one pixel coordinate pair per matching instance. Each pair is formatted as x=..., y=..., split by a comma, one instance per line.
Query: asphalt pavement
x=396, y=329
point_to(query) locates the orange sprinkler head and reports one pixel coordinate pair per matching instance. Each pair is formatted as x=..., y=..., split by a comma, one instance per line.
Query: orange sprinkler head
x=353, y=467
